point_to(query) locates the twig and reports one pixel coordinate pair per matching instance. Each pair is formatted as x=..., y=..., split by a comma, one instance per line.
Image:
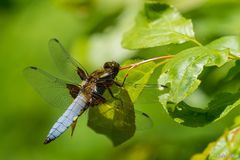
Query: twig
x=131, y=66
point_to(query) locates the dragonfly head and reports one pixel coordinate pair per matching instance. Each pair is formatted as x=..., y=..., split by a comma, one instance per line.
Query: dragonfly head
x=112, y=67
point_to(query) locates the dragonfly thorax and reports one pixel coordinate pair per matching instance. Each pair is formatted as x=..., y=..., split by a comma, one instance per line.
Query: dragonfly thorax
x=98, y=81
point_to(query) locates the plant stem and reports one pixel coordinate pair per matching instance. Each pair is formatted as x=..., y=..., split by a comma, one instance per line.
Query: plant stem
x=145, y=61
x=196, y=42
x=190, y=39
x=131, y=66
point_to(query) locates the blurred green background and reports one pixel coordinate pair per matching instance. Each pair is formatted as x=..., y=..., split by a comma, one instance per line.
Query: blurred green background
x=91, y=30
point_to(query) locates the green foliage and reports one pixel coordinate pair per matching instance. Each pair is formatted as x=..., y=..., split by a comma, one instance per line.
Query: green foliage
x=226, y=147
x=231, y=43
x=115, y=119
x=180, y=74
x=158, y=25
x=219, y=107
x=137, y=78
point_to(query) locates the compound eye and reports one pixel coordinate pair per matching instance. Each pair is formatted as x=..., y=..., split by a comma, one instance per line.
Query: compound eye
x=107, y=65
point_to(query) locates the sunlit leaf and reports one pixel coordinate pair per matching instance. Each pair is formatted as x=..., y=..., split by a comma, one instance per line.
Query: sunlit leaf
x=226, y=147
x=137, y=78
x=159, y=24
x=220, y=106
x=115, y=119
x=232, y=43
x=181, y=73
x=233, y=72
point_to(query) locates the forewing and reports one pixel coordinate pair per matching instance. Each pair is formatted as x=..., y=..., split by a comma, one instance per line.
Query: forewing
x=52, y=89
x=66, y=64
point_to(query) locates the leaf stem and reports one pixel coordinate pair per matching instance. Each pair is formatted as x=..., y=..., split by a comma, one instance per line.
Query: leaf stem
x=191, y=39
x=196, y=42
x=131, y=66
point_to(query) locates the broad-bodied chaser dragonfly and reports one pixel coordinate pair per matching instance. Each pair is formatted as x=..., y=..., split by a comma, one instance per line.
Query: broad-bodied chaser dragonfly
x=81, y=91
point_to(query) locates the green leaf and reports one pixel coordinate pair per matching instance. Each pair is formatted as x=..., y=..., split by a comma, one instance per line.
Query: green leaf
x=231, y=43
x=159, y=24
x=232, y=73
x=137, y=77
x=226, y=147
x=181, y=73
x=115, y=119
x=220, y=106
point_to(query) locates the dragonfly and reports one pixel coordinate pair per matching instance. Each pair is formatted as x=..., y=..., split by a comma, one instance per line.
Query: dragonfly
x=79, y=91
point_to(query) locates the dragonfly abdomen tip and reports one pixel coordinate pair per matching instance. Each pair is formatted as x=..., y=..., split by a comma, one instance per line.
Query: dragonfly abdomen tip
x=47, y=140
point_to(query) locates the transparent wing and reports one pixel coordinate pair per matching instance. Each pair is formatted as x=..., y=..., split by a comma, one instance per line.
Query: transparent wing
x=66, y=64
x=52, y=89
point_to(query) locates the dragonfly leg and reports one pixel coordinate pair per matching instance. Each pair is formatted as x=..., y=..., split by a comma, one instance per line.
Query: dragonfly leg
x=119, y=84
